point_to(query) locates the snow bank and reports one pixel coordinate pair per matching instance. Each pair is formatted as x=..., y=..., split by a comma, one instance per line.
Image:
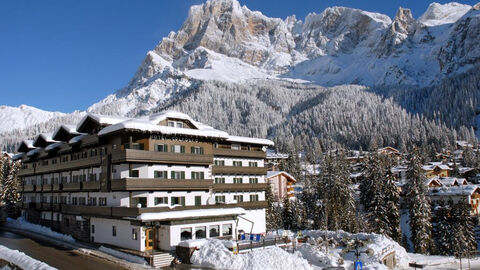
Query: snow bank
x=123, y=255
x=20, y=223
x=431, y=260
x=341, y=253
x=193, y=243
x=214, y=254
x=22, y=260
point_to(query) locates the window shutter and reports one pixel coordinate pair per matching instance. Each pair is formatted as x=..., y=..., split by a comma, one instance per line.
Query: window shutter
x=202, y=175
x=182, y=201
x=192, y=150
x=165, y=148
x=172, y=174
x=165, y=174
x=173, y=148
x=201, y=150
x=182, y=148
x=183, y=175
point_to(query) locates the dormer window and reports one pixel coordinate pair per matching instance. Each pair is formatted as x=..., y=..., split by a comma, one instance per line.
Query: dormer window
x=176, y=124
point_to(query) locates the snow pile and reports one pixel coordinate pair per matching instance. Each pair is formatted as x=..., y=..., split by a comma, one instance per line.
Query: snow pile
x=123, y=255
x=192, y=243
x=214, y=254
x=22, y=260
x=341, y=251
x=22, y=224
x=431, y=260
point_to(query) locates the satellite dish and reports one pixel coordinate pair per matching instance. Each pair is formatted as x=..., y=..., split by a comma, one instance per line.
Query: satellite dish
x=211, y=201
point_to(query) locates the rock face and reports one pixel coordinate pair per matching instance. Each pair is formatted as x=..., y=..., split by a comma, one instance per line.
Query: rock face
x=221, y=40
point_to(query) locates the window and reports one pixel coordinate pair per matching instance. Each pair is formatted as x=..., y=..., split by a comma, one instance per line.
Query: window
x=92, y=201
x=236, y=147
x=237, y=163
x=92, y=177
x=114, y=230
x=178, y=148
x=177, y=175
x=160, y=200
x=253, y=180
x=134, y=234
x=160, y=174
x=237, y=180
x=198, y=200
x=135, y=146
x=214, y=230
x=93, y=228
x=171, y=124
x=238, y=198
x=219, y=199
x=226, y=229
x=198, y=175
x=102, y=201
x=219, y=180
x=219, y=162
x=185, y=234
x=142, y=201
x=67, y=222
x=81, y=201
x=74, y=200
x=175, y=124
x=200, y=232
x=179, y=125
x=252, y=164
x=134, y=173
x=161, y=148
x=254, y=198
x=197, y=150
x=178, y=201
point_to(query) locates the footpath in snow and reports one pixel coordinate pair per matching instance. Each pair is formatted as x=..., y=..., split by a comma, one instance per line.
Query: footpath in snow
x=22, y=260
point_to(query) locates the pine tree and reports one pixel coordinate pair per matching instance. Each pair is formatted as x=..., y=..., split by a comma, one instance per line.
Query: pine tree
x=442, y=229
x=419, y=207
x=273, y=212
x=463, y=233
x=288, y=215
x=8, y=181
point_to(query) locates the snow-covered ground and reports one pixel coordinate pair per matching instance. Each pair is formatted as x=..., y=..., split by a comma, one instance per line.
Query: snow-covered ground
x=22, y=260
x=20, y=223
x=123, y=255
x=309, y=255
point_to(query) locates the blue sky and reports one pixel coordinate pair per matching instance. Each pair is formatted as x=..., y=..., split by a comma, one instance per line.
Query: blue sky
x=64, y=55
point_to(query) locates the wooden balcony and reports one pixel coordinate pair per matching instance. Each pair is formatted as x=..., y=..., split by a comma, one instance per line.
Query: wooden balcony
x=130, y=155
x=253, y=205
x=56, y=187
x=239, y=170
x=46, y=187
x=160, y=184
x=72, y=186
x=239, y=187
x=226, y=152
x=23, y=172
x=46, y=206
x=87, y=210
x=91, y=186
x=29, y=188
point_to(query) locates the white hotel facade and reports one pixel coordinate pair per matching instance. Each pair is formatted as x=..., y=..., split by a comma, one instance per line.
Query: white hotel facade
x=144, y=184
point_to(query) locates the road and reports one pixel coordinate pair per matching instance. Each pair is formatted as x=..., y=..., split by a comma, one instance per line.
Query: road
x=58, y=257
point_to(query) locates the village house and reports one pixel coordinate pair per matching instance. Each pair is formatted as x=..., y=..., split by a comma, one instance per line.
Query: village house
x=468, y=193
x=281, y=184
x=144, y=184
x=436, y=169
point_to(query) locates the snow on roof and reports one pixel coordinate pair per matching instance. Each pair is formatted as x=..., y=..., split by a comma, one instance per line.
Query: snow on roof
x=463, y=170
x=69, y=128
x=399, y=169
x=77, y=139
x=18, y=156
x=464, y=144
x=141, y=124
x=432, y=167
x=158, y=117
x=250, y=140
x=53, y=146
x=271, y=174
x=33, y=152
x=214, y=212
x=46, y=136
x=464, y=190
x=102, y=119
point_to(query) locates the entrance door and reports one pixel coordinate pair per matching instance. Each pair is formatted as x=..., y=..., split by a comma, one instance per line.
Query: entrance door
x=149, y=239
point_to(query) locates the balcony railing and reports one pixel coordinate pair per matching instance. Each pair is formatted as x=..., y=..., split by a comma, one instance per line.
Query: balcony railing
x=239, y=170
x=239, y=187
x=27, y=188
x=72, y=186
x=160, y=184
x=92, y=185
x=46, y=187
x=62, y=166
x=131, y=155
x=238, y=153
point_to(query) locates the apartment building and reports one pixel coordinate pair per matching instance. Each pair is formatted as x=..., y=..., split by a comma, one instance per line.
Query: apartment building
x=146, y=183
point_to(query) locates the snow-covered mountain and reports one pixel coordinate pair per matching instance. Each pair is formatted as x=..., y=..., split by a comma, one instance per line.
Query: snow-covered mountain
x=225, y=42
x=23, y=116
x=222, y=40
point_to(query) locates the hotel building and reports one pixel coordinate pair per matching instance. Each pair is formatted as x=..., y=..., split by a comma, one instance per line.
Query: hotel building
x=144, y=184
